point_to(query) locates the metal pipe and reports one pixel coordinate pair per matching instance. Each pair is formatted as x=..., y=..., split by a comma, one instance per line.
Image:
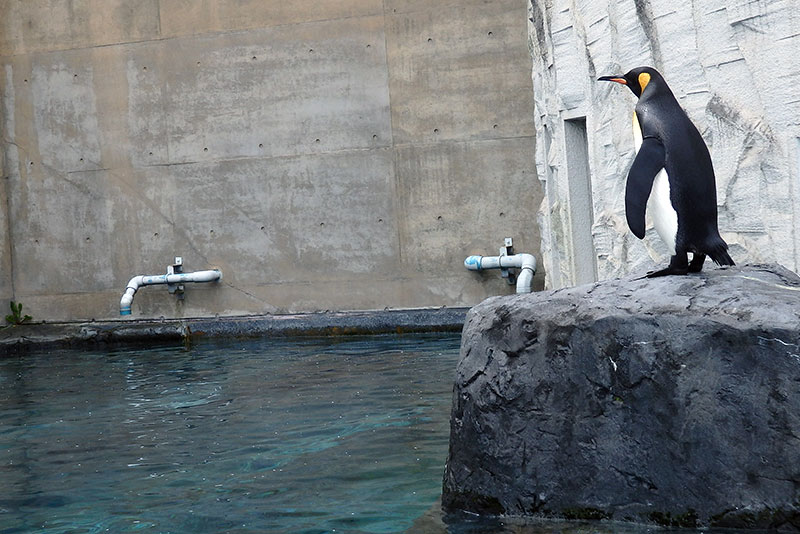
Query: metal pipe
x=170, y=278
x=525, y=262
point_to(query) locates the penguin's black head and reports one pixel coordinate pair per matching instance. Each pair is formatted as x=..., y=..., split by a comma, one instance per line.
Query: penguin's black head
x=638, y=79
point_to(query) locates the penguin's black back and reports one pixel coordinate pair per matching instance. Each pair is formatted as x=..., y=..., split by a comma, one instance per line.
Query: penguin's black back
x=688, y=164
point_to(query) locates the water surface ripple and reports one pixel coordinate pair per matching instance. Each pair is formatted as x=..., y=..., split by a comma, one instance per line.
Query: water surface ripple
x=310, y=435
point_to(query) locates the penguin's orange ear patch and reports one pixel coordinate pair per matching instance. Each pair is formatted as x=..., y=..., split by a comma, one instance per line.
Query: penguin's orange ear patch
x=644, y=79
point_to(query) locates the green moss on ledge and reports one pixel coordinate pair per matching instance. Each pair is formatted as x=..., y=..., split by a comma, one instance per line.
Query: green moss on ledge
x=592, y=514
x=768, y=519
x=688, y=519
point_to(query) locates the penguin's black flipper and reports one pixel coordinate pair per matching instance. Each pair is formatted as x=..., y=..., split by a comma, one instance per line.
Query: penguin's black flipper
x=649, y=160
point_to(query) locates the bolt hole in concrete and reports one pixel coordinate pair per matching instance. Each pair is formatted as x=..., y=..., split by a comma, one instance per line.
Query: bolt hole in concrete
x=490, y=34
x=263, y=228
x=248, y=436
x=430, y=40
x=316, y=140
x=261, y=145
x=436, y=130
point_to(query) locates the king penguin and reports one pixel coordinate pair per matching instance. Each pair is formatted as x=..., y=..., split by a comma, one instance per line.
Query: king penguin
x=671, y=178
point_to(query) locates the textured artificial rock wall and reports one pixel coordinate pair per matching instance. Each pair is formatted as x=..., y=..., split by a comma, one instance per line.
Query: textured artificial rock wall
x=734, y=67
x=324, y=155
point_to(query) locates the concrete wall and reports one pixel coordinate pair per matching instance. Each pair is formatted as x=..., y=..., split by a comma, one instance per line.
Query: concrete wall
x=735, y=68
x=346, y=154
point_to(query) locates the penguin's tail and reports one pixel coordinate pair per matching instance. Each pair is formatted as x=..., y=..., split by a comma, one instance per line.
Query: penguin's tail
x=717, y=249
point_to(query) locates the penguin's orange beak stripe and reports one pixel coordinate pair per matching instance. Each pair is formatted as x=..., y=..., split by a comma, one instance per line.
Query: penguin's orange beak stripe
x=617, y=79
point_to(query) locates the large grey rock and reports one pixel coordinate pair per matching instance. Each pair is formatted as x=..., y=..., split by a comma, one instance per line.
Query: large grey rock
x=672, y=400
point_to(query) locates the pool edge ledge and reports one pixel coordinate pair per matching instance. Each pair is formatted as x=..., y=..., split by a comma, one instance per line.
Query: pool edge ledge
x=38, y=336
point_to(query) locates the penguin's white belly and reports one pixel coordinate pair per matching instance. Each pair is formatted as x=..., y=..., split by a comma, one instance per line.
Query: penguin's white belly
x=659, y=206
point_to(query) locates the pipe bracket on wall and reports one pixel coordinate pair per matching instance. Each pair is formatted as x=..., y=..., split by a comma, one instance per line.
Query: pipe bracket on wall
x=174, y=279
x=176, y=268
x=508, y=263
x=508, y=250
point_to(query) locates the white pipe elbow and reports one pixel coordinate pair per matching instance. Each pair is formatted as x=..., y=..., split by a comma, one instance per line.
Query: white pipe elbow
x=527, y=270
x=127, y=297
x=176, y=278
x=525, y=262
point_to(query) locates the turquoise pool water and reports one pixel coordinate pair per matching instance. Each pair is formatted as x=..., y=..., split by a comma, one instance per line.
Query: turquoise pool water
x=309, y=435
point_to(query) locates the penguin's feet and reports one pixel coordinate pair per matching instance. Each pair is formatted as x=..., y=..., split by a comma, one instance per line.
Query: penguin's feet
x=696, y=265
x=667, y=272
x=678, y=265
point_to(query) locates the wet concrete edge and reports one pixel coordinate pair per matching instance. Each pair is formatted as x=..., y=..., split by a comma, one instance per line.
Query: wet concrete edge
x=42, y=336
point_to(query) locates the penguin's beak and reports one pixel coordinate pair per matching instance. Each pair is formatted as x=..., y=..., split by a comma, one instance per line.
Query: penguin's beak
x=618, y=79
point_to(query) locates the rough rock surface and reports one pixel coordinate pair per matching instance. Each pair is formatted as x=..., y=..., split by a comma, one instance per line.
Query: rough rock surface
x=673, y=400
